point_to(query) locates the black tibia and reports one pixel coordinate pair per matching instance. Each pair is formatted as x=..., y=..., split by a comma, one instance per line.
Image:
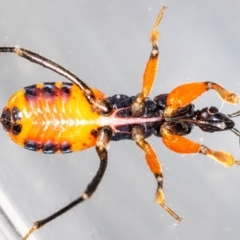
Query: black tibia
x=104, y=136
x=101, y=106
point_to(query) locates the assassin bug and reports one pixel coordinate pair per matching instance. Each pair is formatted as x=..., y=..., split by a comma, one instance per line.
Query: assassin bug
x=65, y=117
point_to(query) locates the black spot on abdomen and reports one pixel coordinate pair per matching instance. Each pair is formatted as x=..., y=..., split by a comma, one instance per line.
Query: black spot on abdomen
x=32, y=92
x=32, y=145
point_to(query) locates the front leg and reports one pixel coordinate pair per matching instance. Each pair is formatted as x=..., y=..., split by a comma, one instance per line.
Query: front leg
x=186, y=93
x=180, y=144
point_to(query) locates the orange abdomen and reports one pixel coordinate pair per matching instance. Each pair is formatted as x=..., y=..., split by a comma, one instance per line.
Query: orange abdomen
x=52, y=117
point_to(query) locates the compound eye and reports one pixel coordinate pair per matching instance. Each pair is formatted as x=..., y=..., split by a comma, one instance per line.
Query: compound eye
x=212, y=110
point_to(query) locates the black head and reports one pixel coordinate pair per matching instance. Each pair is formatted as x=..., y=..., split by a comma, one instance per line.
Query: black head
x=209, y=119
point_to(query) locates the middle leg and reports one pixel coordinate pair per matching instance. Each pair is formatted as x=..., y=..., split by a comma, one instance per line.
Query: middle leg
x=155, y=167
x=150, y=70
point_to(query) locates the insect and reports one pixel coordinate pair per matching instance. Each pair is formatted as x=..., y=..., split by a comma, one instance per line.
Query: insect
x=56, y=117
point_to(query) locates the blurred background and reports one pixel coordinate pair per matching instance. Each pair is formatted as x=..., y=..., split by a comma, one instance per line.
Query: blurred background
x=106, y=43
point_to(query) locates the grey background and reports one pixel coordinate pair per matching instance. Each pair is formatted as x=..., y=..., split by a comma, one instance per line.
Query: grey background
x=106, y=44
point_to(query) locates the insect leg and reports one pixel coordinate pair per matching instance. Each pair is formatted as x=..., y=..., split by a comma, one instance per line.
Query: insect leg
x=102, y=106
x=186, y=93
x=150, y=70
x=155, y=167
x=183, y=145
x=103, y=139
